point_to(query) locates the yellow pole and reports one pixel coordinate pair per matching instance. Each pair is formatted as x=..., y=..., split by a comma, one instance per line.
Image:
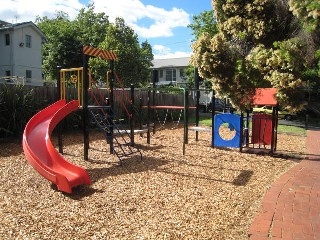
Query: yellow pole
x=62, y=85
x=79, y=81
x=108, y=82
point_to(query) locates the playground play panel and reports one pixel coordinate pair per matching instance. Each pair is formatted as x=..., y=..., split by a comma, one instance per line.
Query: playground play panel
x=208, y=193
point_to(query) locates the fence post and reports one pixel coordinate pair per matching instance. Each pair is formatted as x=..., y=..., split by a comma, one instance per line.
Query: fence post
x=196, y=85
x=274, y=109
x=148, y=117
x=132, y=115
x=111, y=103
x=60, y=143
x=213, y=107
x=186, y=114
x=241, y=131
x=85, y=107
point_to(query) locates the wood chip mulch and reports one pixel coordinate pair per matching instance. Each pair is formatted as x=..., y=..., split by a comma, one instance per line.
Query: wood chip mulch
x=210, y=193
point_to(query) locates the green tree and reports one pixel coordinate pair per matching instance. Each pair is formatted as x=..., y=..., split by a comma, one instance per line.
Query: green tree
x=133, y=61
x=92, y=27
x=146, y=56
x=307, y=11
x=204, y=22
x=259, y=44
x=62, y=47
x=65, y=38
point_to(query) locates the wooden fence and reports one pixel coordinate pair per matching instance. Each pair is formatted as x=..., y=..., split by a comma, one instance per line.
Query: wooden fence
x=121, y=97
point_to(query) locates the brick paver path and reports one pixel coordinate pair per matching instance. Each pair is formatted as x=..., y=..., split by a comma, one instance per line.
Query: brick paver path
x=291, y=208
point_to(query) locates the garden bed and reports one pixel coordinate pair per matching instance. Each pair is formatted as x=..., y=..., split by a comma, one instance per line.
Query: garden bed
x=210, y=193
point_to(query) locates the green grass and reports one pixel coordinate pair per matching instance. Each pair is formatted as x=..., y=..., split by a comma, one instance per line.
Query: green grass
x=207, y=121
x=292, y=130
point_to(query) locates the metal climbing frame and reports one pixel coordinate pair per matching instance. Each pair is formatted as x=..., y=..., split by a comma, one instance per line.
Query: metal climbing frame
x=112, y=131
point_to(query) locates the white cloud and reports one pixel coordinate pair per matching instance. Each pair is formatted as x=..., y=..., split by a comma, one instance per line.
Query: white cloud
x=162, y=21
x=158, y=22
x=172, y=55
x=161, y=48
x=163, y=52
x=27, y=10
x=147, y=21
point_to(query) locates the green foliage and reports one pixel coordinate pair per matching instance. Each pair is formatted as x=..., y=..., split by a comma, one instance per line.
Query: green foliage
x=189, y=78
x=17, y=106
x=248, y=21
x=146, y=57
x=62, y=46
x=133, y=62
x=260, y=44
x=170, y=89
x=312, y=75
x=65, y=39
x=91, y=26
x=307, y=11
x=282, y=67
x=203, y=25
x=205, y=22
x=221, y=62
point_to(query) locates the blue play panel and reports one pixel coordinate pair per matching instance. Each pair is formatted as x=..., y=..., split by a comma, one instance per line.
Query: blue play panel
x=233, y=122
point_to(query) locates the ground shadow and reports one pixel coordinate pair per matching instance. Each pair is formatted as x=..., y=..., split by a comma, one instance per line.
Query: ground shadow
x=129, y=165
x=312, y=157
x=147, y=147
x=183, y=162
x=243, y=178
x=10, y=147
x=286, y=155
x=78, y=192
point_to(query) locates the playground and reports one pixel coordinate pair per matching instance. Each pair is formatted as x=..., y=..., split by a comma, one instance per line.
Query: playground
x=182, y=181
x=208, y=193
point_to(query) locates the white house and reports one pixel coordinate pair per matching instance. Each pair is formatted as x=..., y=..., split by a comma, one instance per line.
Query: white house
x=20, y=53
x=171, y=71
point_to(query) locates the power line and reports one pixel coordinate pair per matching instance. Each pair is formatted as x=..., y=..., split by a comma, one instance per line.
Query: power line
x=174, y=43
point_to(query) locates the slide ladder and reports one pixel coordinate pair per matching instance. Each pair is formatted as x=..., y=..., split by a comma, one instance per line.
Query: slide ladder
x=121, y=145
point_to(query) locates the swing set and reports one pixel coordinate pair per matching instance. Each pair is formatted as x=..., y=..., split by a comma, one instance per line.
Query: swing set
x=163, y=123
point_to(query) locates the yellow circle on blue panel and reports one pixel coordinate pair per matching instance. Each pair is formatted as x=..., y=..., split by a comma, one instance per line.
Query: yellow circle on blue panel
x=232, y=121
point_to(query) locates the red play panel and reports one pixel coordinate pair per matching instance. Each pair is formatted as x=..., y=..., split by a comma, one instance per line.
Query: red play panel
x=265, y=96
x=261, y=129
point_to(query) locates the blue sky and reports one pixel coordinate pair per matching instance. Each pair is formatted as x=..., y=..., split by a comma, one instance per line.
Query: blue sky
x=162, y=22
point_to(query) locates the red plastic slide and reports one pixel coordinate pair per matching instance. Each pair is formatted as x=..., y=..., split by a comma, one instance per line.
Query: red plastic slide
x=41, y=153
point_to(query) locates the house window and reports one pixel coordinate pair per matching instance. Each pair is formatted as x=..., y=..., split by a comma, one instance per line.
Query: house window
x=182, y=73
x=28, y=41
x=7, y=39
x=8, y=73
x=171, y=75
x=160, y=73
x=28, y=75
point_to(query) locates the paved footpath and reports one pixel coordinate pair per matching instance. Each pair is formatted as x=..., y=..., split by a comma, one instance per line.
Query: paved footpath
x=291, y=207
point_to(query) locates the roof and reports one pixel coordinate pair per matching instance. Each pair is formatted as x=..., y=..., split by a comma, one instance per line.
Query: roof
x=171, y=62
x=265, y=96
x=3, y=23
x=7, y=26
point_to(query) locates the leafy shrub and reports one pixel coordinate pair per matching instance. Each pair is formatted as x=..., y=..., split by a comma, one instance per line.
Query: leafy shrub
x=17, y=106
